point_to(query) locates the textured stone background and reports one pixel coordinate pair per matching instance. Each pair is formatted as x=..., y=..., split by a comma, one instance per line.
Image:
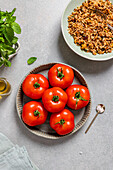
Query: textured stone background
x=41, y=36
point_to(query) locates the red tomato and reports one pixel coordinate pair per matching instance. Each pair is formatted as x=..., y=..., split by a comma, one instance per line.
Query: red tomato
x=61, y=76
x=62, y=122
x=34, y=85
x=54, y=99
x=78, y=96
x=34, y=113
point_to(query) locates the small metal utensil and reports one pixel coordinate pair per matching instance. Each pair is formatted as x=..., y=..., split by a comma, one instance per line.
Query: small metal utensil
x=110, y=26
x=97, y=10
x=100, y=109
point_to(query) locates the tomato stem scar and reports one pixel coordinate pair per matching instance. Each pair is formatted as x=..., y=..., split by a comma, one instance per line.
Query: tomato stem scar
x=78, y=97
x=62, y=121
x=36, y=85
x=60, y=73
x=55, y=98
x=36, y=113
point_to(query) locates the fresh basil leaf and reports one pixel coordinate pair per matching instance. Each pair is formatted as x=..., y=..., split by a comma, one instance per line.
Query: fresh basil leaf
x=14, y=41
x=7, y=63
x=1, y=29
x=5, y=34
x=7, y=18
x=12, y=19
x=3, y=17
x=9, y=34
x=1, y=63
x=31, y=60
x=8, y=48
x=3, y=26
x=13, y=11
x=4, y=54
x=8, y=28
x=2, y=39
x=9, y=53
x=16, y=28
x=0, y=14
x=8, y=25
x=1, y=22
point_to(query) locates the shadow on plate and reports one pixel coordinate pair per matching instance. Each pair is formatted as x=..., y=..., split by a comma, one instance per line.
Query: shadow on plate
x=41, y=140
x=80, y=63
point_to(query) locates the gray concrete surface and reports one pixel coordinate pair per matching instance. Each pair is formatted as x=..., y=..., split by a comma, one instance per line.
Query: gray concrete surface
x=41, y=36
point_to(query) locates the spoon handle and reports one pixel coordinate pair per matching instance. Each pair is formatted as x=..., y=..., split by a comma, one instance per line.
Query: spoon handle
x=110, y=26
x=91, y=122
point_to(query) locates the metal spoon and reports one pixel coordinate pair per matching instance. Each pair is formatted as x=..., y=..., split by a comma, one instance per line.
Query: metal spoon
x=100, y=109
x=104, y=16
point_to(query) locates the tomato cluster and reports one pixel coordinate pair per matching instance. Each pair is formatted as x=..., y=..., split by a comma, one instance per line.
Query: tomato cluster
x=54, y=99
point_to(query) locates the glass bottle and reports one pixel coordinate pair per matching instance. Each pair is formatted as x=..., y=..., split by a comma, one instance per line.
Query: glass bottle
x=5, y=87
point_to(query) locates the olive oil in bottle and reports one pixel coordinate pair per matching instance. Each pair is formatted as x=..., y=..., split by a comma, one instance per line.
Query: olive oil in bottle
x=5, y=87
x=2, y=85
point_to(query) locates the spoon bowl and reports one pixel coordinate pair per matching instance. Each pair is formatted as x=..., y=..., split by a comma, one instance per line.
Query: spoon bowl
x=100, y=108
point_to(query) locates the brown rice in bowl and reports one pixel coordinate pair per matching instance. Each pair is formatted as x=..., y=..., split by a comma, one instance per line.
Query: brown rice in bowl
x=89, y=28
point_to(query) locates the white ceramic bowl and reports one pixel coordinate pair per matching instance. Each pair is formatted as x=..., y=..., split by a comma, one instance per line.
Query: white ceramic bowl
x=69, y=39
x=17, y=47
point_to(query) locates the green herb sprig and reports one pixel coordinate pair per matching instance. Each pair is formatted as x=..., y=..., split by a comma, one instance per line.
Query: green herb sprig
x=31, y=60
x=8, y=28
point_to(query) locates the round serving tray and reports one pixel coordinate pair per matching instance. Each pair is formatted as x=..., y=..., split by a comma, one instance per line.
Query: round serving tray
x=45, y=130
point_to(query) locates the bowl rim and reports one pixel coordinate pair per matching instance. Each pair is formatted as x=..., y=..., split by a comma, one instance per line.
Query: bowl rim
x=18, y=48
x=81, y=55
x=43, y=134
